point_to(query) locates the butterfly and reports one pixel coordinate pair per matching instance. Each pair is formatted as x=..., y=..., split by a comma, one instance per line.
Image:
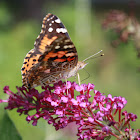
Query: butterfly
x=54, y=56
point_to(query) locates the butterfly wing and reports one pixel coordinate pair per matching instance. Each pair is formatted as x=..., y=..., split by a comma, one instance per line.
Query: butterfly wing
x=54, y=64
x=52, y=49
x=52, y=27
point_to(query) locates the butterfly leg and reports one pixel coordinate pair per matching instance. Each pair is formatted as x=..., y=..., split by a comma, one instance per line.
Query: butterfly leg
x=78, y=78
x=66, y=85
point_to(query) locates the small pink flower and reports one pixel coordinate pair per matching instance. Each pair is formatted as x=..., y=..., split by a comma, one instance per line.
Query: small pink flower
x=64, y=99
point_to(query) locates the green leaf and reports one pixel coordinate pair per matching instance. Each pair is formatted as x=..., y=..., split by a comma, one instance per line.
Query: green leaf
x=8, y=130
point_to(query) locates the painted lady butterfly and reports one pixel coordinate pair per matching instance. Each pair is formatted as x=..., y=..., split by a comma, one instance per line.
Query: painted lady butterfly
x=53, y=58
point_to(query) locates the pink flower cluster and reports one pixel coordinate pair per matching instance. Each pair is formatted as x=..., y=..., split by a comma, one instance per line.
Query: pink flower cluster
x=96, y=118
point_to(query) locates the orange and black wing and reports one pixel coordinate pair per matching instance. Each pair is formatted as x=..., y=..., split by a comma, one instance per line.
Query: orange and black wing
x=52, y=29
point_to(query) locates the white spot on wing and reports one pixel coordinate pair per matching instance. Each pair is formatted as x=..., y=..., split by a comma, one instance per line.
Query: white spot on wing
x=70, y=54
x=59, y=30
x=50, y=24
x=68, y=46
x=58, y=20
x=38, y=37
x=67, y=40
x=43, y=26
x=41, y=31
x=57, y=47
x=50, y=29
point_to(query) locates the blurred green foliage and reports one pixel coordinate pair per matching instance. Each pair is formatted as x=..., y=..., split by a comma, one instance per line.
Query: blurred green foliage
x=8, y=128
x=115, y=73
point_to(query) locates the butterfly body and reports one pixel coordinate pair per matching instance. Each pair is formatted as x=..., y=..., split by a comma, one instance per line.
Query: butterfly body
x=53, y=58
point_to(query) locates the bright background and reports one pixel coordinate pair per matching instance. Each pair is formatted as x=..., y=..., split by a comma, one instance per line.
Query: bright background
x=116, y=73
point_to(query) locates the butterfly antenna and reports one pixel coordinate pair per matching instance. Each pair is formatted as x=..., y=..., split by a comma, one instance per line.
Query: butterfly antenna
x=87, y=76
x=94, y=55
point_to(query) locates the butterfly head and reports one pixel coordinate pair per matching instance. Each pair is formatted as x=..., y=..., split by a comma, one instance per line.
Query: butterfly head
x=81, y=65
